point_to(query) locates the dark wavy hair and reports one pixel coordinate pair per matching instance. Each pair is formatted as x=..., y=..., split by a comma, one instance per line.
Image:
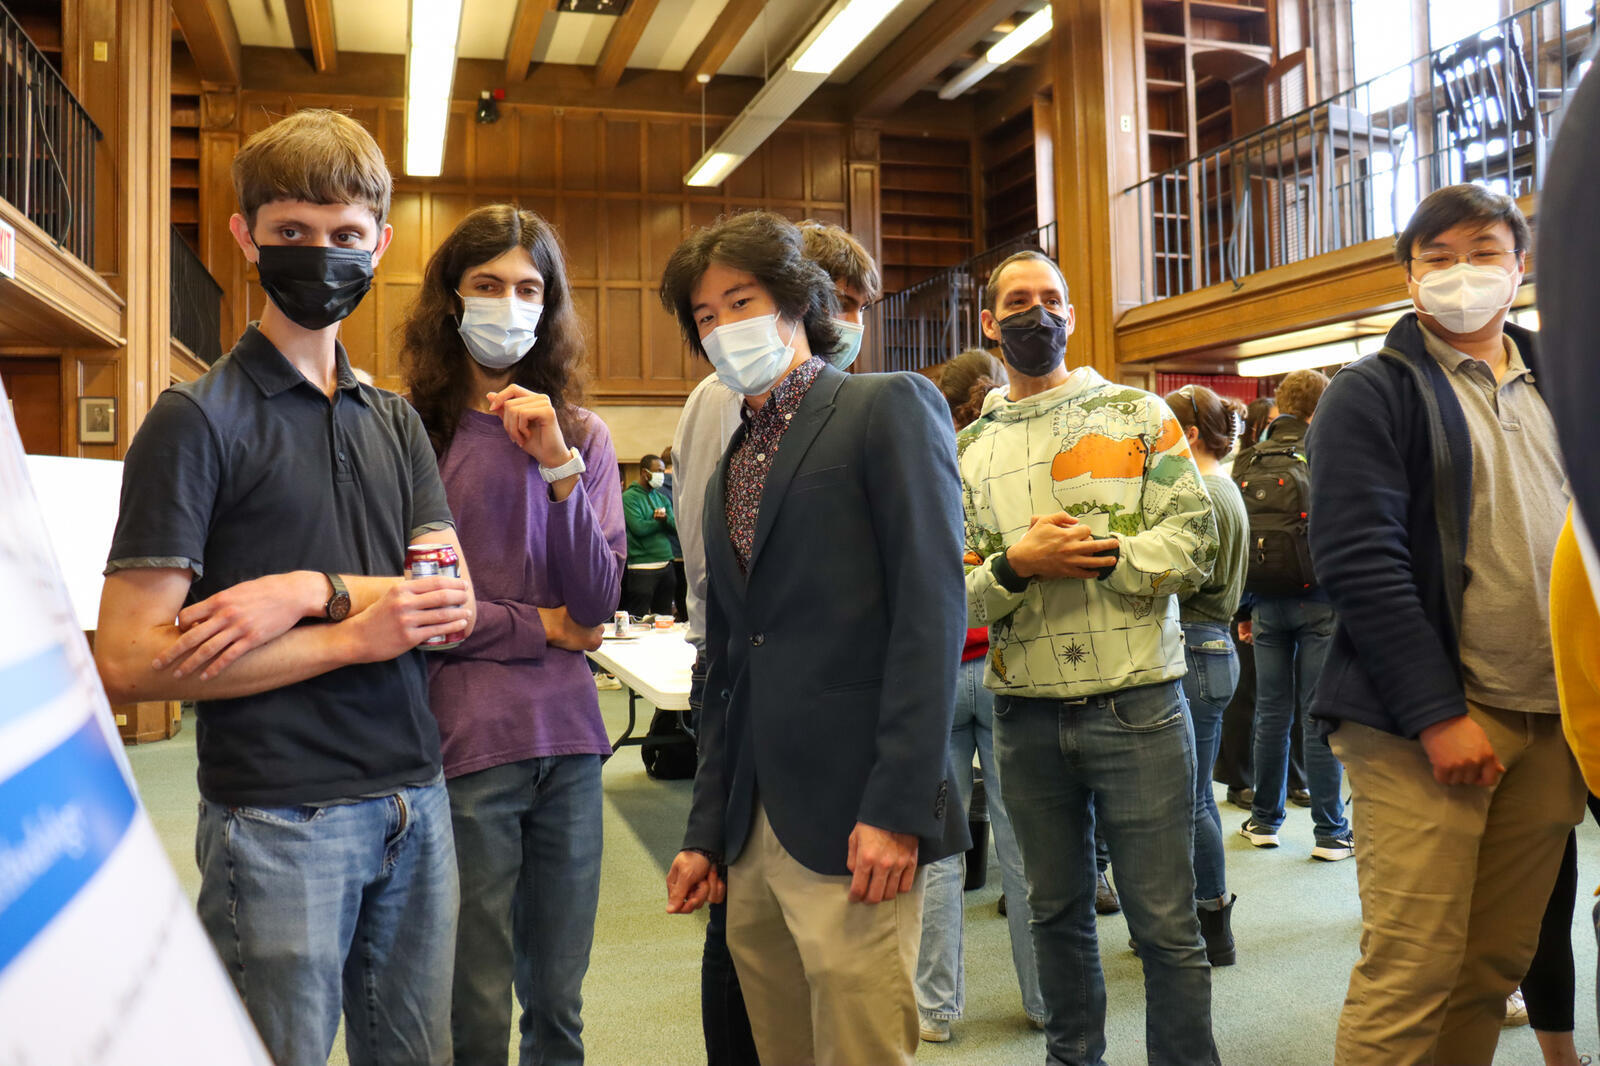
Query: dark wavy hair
x=433, y=357
x=966, y=380
x=1256, y=419
x=768, y=246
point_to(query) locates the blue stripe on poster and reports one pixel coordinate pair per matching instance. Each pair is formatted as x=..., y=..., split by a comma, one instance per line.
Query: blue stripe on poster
x=60, y=818
x=33, y=682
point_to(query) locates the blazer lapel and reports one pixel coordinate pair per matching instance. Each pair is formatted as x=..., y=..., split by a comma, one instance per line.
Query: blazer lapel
x=814, y=412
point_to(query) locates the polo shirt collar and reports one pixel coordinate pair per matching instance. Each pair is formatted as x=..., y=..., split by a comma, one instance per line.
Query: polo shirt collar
x=273, y=374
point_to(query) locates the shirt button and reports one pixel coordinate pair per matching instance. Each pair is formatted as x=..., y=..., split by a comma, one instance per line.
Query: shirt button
x=787, y=417
x=757, y=639
x=761, y=457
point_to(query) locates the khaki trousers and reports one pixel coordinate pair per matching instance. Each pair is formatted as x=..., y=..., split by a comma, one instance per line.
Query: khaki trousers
x=1454, y=880
x=825, y=980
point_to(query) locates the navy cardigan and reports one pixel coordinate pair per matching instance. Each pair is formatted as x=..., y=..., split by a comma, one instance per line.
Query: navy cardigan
x=1391, y=492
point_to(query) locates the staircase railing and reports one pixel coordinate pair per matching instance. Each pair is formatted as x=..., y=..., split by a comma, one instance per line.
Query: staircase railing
x=47, y=145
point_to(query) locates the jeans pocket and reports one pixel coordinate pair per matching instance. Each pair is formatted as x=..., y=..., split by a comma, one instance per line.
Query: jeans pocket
x=1146, y=712
x=1216, y=673
x=287, y=816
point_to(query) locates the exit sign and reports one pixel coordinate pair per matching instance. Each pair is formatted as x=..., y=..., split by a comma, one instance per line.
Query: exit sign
x=8, y=250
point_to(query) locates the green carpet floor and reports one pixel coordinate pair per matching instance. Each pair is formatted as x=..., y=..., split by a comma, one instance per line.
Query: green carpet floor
x=1297, y=923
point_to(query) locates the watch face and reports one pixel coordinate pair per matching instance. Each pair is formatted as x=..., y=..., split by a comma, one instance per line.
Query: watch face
x=339, y=607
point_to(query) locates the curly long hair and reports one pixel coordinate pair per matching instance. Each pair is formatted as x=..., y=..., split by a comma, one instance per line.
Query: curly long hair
x=433, y=357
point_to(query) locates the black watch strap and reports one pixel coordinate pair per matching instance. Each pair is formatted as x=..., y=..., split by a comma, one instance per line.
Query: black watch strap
x=337, y=608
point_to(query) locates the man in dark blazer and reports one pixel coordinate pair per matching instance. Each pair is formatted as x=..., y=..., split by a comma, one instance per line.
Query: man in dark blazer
x=835, y=619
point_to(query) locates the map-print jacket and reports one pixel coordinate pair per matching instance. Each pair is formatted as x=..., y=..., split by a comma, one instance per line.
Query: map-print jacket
x=1116, y=459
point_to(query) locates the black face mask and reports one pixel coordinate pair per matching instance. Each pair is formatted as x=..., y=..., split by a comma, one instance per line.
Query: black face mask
x=315, y=287
x=1034, y=341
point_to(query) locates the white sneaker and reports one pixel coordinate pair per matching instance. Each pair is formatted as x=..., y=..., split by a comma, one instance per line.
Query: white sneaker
x=934, y=1030
x=1516, y=1011
x=606, y=683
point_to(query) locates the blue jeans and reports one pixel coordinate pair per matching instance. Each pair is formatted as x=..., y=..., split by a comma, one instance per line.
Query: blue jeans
x=1208, y=687
x=941, y=981
x=354, y=903
x=1132, y=753
x=528, y=838
x=1291, y=640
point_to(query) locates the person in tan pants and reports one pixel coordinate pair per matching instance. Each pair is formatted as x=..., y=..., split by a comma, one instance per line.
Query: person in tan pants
x=1436, y=505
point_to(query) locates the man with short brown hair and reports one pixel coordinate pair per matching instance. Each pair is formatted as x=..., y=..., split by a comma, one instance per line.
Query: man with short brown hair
x=1437, y=505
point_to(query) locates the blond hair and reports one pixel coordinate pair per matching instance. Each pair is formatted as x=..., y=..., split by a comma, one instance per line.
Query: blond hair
x=315, y=155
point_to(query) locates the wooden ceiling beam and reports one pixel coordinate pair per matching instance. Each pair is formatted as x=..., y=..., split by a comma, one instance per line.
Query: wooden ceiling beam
x=729, y=28
x=526, y=26
x=934, y=41
x=319, y=25
x=212, y=37
x=624, y=38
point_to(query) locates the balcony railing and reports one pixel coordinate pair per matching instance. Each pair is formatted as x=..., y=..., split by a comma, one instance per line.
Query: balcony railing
x=47, y=145
x=1351, y=168
x=937, y=318
x=196, y=302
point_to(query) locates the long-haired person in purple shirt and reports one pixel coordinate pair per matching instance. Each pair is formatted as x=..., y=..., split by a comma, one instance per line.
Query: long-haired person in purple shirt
x=493, y=354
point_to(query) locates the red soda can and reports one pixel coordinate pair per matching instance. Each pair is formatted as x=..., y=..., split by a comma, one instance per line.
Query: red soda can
x=433, y=560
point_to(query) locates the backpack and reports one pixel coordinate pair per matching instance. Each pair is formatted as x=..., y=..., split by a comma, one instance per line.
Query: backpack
x=1275, y=482
x=668, y=750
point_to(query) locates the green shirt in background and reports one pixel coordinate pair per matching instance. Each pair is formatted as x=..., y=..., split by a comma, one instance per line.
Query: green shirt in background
x=1218, y=598
x=648, y=540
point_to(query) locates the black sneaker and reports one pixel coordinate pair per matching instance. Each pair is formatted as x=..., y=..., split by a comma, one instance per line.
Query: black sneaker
x=1259, y=835
x=1300, y=797
x=1332, y=849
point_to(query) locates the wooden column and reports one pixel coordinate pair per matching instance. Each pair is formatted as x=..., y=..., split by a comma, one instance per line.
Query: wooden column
x=1096, y=157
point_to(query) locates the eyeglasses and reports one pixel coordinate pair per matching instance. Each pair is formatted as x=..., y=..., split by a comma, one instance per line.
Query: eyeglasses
x=1478, y=257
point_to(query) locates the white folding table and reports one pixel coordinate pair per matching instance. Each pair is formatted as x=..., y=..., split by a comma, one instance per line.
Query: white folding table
x=652, y=664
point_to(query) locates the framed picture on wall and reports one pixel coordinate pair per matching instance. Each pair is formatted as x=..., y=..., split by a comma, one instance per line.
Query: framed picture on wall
x=97, y=420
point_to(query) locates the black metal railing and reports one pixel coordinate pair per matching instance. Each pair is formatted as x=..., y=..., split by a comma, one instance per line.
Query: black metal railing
x=47, y=145
x=196, y=302
x=937, y=318
x=1353, y=167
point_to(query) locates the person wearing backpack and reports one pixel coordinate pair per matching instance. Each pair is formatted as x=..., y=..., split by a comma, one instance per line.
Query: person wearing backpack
x=1291, y=623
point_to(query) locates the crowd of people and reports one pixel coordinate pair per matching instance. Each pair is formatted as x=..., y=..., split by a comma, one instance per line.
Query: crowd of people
x=884, y=578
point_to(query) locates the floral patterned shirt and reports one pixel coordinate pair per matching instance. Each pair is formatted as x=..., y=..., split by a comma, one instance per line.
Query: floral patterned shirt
x=752, y=460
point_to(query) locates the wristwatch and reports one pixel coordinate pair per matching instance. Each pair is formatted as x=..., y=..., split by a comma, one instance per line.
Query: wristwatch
x=574, y=465
x=338, y=606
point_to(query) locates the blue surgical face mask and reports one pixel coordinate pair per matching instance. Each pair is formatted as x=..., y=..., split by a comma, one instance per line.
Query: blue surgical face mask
x=498, y=330
x=850, y=333
x=749, y=356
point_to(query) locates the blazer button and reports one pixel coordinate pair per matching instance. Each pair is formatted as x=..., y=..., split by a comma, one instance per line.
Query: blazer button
x=757, y=639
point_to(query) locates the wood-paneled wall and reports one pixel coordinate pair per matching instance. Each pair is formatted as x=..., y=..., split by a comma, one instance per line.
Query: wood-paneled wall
x=610, y=181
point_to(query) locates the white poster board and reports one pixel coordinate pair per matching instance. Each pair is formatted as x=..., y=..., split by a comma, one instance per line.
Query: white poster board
x=102, y=960
x=78, y=500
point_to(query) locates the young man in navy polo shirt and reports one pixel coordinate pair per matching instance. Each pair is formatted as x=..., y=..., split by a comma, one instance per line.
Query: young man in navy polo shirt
x=267, y=507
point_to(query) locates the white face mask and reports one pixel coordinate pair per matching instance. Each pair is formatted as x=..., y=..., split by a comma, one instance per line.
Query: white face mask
x=748, y=356
x=498, y=330
x=1463, y=298
x=658, y=480
x=851, y=333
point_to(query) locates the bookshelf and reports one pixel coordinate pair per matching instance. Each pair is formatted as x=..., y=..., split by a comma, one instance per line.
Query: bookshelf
x=927, y=196
x=1188, y=112
x=1010, y=179
x=185, y=150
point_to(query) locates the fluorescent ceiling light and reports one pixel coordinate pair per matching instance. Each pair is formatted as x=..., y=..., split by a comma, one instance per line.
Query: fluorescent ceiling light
x=713, y=168
x=841, y=34
x=1033, y=27
x=788, y=88
x=959, y=84
x=1335, y=354
x=430, y=74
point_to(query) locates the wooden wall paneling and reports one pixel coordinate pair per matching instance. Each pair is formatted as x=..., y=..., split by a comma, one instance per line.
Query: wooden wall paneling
x=412, y=244
x=624, y=245
x=538, y=146
x=786, y=169
x=545, y=208
x=622, y=356
x=579, y=218
x=359, y=332
x=825, y=155
x=397, y=297
x=624, y=155
x=580, y=151
x=446, y=210
x=94, y=373
x=748, y=180
x=586, y=301
x=33, y=385
x=670, y=358
x=495, y=151
x=458, y=131
x=665, y=156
